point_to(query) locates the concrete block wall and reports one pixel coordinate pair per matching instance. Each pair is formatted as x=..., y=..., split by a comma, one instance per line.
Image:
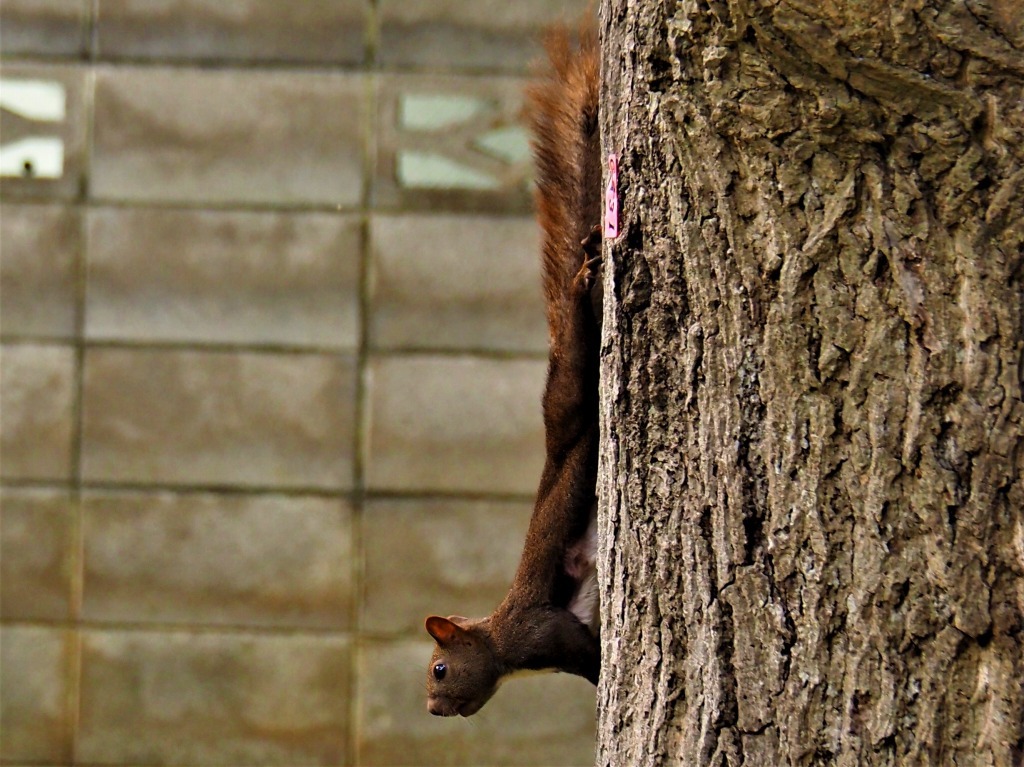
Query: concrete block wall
x=270, y=372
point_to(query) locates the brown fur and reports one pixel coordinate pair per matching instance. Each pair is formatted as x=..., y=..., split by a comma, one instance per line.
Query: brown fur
x=562, y=110
x=533, y=629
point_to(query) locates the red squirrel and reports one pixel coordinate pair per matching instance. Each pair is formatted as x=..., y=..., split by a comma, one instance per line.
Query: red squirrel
x=549, y=621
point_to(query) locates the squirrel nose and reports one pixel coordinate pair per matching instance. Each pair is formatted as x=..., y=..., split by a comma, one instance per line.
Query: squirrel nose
x=435, y=707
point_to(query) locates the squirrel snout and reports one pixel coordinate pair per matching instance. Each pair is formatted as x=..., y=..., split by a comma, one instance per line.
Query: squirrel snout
x=437, y=708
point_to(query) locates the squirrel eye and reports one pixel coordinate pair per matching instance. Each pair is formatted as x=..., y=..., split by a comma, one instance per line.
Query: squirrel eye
x=440, y=669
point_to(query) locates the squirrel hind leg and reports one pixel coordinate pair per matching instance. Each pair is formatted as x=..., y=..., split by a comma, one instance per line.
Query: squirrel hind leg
x=592, y=242
x=586, y=277
x=591, y=245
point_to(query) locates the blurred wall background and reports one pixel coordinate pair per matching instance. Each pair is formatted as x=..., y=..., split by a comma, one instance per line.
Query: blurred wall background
x=272, y=354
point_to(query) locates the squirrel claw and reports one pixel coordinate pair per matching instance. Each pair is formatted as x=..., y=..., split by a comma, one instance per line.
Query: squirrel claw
x=587, y=274
x=592, y=242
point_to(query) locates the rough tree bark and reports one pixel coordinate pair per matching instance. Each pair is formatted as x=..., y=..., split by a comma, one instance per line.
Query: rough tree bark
x=813, y=452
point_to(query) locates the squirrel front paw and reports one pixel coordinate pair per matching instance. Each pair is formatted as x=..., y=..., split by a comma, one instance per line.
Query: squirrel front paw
x=587, y=274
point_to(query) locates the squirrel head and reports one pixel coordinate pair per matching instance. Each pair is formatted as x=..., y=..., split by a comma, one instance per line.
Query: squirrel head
x=463, y=672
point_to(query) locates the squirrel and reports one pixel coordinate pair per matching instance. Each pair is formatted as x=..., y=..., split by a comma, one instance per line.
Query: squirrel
x=550, y=621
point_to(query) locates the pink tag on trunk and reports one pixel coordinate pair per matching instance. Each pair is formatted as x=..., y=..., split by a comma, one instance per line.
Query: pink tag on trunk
x=611, y=199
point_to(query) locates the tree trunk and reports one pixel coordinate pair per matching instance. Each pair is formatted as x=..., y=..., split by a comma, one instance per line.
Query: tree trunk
x=812, y=475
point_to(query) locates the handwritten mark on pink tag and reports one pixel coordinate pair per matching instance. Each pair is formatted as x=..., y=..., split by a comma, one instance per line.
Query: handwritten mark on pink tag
x=611, y=199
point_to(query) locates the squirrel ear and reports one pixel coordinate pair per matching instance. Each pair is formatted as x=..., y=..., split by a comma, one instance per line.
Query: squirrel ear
x=458, y=620
x=442, y=629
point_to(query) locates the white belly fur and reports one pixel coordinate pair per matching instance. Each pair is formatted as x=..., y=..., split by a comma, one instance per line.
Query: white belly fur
x=581, y=564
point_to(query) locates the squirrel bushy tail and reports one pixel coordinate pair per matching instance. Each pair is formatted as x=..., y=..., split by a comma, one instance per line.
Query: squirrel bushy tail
x=562, y=110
